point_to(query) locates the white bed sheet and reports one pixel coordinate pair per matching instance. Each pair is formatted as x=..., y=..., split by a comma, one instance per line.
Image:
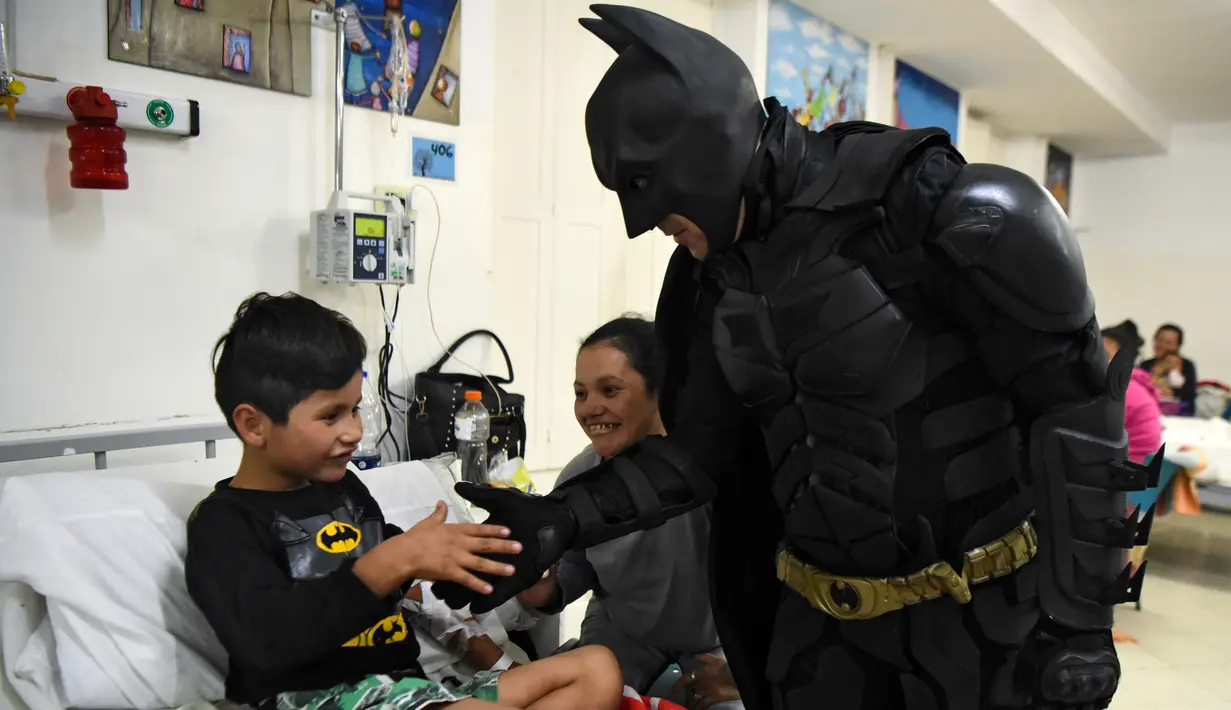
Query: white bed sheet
x=1211, y=436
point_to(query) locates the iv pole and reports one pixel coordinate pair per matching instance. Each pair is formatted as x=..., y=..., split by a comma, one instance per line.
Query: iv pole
x=339, y=18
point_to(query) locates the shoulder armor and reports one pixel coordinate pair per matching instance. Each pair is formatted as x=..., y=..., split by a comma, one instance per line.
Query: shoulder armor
x=867, y=159
x=1017, y=246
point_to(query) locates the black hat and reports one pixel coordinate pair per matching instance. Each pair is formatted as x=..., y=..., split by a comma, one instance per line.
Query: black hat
x=674, y=123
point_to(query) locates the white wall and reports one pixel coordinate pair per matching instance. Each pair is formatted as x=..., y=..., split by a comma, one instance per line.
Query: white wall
x=112, y=301
x=1155, y=238
x=978, y=141
x=882, y=73
x=1027, y=154
x=743, y=25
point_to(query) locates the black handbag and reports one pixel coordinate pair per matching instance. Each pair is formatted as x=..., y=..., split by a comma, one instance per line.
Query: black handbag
x=438, y=395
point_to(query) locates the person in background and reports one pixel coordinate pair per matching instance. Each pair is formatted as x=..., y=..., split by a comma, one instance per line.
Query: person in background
x=1143, y=419
x=1142, y=415
x=1174, y=376
x=651, y=597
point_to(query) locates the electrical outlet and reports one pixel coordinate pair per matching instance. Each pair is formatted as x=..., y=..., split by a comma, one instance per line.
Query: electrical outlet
x=402, y=192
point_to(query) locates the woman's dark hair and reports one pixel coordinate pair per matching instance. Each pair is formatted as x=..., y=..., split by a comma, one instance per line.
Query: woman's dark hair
x=281, y=349
x=1126, y=336
x=635, y=337
x=1179, y=332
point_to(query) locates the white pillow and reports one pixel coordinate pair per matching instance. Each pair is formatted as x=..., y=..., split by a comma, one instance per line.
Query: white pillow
x=107, y=553
x=407, y=492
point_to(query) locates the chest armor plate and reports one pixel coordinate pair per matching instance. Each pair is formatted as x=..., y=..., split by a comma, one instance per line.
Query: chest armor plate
x=799, y=321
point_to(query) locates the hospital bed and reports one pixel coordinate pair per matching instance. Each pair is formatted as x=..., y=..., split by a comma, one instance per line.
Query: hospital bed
x=93, y=609
x=1213, y=438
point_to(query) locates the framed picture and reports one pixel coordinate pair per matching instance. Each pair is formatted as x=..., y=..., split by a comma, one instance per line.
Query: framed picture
x=237, y=49
x=192, y=4
x=1059, y=175
x=445, y=87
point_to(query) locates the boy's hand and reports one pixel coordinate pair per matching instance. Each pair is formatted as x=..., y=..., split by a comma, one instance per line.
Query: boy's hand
x=438, y=551
x=441, y=551
x=544, y=525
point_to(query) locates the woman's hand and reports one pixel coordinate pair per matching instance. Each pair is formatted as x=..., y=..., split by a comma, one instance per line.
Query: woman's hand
x=711, y=683
x=543, y=593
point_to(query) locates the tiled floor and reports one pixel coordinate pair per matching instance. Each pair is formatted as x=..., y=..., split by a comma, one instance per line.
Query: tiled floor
x=1182, y=658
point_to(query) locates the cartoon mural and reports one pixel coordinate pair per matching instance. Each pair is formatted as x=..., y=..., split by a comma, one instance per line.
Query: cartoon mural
x=923, y=102
x=816, y=70
x=433, y=33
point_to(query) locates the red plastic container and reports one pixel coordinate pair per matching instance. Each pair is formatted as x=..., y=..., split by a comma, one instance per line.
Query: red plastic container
x=96, y=143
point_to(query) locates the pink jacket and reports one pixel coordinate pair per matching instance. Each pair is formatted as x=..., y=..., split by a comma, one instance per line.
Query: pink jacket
x=1142, y=417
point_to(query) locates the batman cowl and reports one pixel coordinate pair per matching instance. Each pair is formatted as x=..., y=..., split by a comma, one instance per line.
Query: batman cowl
x=674, y=123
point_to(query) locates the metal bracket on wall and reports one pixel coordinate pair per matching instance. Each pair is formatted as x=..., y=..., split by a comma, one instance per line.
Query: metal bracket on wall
x=322, y=19
x=44, y=97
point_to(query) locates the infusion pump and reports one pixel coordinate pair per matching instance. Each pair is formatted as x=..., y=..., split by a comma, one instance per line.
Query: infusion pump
x=355, y=246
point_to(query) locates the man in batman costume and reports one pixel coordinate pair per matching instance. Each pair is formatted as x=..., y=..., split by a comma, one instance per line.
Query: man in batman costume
x=887, y=377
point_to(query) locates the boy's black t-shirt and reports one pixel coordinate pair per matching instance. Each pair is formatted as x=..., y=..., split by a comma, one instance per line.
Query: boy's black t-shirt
x=272, y=572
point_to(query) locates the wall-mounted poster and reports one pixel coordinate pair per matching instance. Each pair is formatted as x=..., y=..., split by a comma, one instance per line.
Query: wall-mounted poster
x=262, y=43
x=921, y=101
x=816, y=70
x=1059, y=175
x=433, y=30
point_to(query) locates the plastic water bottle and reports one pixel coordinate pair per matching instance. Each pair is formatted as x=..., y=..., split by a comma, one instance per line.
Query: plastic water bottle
x=367, y=454
x=471, y=429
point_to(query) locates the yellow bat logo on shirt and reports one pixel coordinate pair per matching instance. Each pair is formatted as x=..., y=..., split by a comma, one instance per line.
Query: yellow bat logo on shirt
x=391, y=629
x=338, y=538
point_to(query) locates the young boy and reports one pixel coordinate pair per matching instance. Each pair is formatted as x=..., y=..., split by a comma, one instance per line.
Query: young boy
x=291, y=560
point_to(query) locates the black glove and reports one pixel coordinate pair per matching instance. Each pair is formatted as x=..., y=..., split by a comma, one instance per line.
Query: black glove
x=544, y=527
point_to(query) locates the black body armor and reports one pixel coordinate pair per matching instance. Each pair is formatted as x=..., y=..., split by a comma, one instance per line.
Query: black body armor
x=942, y=445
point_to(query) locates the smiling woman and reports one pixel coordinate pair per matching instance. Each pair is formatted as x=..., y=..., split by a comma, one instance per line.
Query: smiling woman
x=651, y=597
x=619, y=373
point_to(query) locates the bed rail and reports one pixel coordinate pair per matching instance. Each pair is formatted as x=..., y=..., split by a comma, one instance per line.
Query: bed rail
x=29, y=446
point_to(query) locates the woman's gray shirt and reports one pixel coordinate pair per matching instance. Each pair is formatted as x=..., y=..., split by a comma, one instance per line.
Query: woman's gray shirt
x=653, y=584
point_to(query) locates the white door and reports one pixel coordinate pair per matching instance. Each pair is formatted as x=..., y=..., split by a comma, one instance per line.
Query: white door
x=563, y=264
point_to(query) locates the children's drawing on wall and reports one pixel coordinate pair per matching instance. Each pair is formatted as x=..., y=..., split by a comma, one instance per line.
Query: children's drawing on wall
x=237, y=49
x=921, y=101
x=1059, y=175
x=432, y=29
x=816, y=70
x=264, y=43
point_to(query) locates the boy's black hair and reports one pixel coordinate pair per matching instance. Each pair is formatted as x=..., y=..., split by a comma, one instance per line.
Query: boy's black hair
x=1179, y=332
x=1126, y=336
x=635, y=337
x=281, y=349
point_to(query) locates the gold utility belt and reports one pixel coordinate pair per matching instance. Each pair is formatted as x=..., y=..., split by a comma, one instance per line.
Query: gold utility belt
x=858, y=598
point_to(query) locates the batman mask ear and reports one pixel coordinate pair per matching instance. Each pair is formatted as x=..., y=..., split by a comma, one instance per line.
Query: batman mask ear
x=613, y=37
x=668, y=40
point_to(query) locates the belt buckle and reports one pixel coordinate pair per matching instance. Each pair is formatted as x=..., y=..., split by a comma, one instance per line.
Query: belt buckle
x=844, y=598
